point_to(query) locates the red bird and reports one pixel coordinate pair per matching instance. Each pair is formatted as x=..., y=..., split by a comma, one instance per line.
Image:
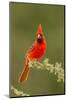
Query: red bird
x=37, y=50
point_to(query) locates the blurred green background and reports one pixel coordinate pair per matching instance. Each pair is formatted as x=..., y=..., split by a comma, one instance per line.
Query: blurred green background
x=24, y=21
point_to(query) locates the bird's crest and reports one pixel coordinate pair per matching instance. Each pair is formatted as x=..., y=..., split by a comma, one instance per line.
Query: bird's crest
x=39, y=31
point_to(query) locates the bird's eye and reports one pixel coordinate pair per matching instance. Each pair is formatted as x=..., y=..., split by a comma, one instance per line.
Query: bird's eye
x=41, y=35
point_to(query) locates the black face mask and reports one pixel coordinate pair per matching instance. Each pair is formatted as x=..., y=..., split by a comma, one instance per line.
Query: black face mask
x=40, y=40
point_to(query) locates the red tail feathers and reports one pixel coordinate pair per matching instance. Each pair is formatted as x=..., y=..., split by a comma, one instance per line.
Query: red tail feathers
x=25, y=73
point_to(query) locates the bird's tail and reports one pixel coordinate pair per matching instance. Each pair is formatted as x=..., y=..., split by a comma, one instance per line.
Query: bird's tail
x=25, y=73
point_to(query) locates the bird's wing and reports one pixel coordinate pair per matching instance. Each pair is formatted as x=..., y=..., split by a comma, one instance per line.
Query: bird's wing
x=31, y=49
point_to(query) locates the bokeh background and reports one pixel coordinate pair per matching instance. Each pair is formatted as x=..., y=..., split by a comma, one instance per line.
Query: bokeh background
x=24, y=21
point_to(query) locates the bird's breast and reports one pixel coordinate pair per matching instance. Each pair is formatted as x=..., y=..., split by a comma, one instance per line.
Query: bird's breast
x=39, y=51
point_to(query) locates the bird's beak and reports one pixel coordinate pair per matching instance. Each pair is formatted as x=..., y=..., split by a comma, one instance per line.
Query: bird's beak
x=38, y=36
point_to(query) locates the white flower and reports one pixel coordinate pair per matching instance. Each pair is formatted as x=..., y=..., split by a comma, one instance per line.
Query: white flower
x=57, y=69
x=18, y=93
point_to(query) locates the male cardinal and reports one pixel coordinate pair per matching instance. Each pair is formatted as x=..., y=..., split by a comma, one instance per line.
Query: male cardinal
x=37, y=50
